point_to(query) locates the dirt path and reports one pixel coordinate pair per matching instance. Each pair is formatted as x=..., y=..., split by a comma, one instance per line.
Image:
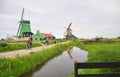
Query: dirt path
x=24, y=51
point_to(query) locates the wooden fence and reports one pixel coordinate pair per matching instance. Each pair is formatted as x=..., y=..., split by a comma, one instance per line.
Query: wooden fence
x=96, y=65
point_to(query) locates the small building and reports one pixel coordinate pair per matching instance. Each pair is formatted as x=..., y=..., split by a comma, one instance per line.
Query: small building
x=42, y=36
x=48, y=35
x=38, y=36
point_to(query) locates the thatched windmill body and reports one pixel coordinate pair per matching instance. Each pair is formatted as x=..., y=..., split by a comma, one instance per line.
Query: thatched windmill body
x=24, y=29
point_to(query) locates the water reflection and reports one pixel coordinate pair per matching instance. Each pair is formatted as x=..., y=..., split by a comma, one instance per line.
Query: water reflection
x=70, y=51
x=61, y=66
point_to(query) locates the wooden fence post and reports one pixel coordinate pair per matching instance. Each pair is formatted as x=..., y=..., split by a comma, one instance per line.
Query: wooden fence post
x=76, y=68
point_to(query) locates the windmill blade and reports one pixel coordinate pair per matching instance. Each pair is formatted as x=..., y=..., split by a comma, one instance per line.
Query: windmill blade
x=21, y=22
x=65, y=32
x=69, y=25
x=22, y=14
x=18, y=29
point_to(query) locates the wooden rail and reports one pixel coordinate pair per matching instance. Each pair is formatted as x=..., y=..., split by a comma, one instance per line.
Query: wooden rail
x=96, y=65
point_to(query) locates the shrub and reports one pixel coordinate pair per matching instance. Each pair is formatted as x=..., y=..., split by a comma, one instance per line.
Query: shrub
x=3, y=44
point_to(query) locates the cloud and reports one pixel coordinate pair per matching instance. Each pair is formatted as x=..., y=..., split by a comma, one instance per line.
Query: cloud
x=89, y=17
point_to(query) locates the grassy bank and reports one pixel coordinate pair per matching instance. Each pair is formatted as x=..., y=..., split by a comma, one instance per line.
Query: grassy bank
x=14, y=67
x=102, y=52
x=4, y=47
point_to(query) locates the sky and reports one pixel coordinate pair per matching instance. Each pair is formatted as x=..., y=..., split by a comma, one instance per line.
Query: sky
x=89, y=18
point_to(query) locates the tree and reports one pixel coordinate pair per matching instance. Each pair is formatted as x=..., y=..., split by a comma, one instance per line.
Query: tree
x=98, y=39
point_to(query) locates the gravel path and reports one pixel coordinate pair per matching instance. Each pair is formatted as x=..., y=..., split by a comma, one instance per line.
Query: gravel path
x=24, y=51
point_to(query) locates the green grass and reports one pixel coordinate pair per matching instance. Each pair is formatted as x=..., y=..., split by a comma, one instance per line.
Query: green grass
x=103, y=51
x=14, y=67
x=5, y=47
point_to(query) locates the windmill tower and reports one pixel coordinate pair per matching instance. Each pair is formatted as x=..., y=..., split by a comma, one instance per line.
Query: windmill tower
x=24, y=29
x=68, y=33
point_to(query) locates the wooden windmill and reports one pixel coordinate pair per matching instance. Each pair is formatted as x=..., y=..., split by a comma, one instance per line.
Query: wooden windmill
x=68, y=33
x=24, y=29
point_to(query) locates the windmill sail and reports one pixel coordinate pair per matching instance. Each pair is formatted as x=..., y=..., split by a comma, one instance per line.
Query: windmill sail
x=18, y=29
x=22, y=14
x=21, y=21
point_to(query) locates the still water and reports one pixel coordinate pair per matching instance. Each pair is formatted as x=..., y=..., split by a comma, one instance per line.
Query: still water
x=60, y=66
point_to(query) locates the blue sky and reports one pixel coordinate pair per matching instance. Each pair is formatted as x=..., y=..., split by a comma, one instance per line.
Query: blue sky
x=90, y=18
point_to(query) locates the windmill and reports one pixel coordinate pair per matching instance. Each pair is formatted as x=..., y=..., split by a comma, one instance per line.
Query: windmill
x=68, y=33
x=24, y=29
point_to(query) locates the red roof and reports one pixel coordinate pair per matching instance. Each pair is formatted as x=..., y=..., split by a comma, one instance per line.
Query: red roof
x=48, y=35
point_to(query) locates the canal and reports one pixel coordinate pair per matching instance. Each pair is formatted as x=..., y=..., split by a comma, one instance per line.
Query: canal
x=60, y=66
